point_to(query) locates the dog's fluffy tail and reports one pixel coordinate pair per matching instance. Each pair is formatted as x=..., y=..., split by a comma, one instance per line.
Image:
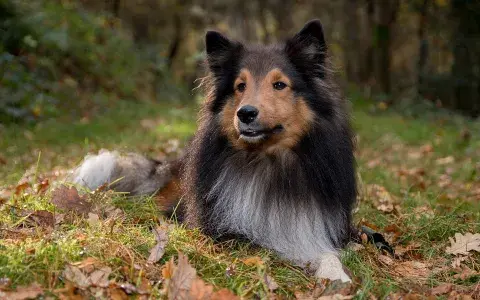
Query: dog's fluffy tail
x=130, y=173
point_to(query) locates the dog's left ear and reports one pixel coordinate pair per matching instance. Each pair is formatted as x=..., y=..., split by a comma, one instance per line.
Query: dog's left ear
x=307, y=49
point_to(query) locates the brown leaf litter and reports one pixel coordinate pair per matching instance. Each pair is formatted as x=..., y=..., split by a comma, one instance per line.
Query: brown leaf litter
x=68, y=199
x=381, y=198
x=181, y=282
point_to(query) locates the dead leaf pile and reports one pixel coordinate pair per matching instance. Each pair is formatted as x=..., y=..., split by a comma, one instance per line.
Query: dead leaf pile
x=329, y=290
x=381, y=198
x=89, y=278
x=87, y=273
x=181, y=282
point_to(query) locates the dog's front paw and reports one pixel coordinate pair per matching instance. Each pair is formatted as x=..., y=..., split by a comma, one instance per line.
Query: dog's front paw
x=331, y=268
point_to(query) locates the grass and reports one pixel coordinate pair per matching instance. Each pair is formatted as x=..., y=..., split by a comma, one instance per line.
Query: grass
x=429, y=169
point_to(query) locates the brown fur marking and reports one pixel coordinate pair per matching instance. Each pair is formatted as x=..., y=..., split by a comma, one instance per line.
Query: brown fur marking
x=276, y=107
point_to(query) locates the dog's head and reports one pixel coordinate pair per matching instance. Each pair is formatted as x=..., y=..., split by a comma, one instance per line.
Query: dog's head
x=265, y=98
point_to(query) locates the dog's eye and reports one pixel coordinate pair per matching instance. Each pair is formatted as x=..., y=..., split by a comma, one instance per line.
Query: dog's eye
x=241, y=87
x=279, y=85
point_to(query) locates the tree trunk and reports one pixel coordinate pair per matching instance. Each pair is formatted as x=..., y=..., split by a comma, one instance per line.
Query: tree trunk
x=113, y=6
x=352, y=53
x=423, y=44
x=385, y=16
x=116, y=8
x=466, y=67
x=174, y=46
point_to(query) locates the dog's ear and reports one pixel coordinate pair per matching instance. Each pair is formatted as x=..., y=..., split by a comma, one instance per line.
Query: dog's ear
x=220, y=50
x=307, y=49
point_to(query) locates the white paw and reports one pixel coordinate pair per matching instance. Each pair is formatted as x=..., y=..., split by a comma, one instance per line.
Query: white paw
x=331, y=268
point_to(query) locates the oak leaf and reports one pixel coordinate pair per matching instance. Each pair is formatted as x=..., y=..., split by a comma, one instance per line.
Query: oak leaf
x=463, y=244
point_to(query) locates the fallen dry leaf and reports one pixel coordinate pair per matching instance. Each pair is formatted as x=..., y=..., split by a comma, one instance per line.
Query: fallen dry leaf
x=76, y=276
x=43, y=186
x=59, y=218
x=5, y=194
x=385, y=260
x=41, y=218
x=68, y=199
x=93, y=219
x=253, y=261
x=87, y=265
x=411, y=251
x=385, y=207
x=407, y=296
x=181, y=282
x=464, y=273
x=88, y=275
x=382, y=199
x=337, y=288
x=21, y=187
x=442, y=289
x=423, y=211
x=271, y=284
x=335, y=297
x=29, y=292
x=223, y=294
x=455, y=295
x=457, y=261
x=117, y=293
x=200, y=290
x=158, y=250
x=445, y=160
x=356, y=247
x=463, y=244
x=412, y=269
x=100, y=277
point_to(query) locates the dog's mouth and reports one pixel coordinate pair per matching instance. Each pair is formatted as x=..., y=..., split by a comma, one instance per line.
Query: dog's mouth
x=255, y=135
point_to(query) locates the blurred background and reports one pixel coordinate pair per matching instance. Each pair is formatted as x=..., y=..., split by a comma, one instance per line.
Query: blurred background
x=77, y=58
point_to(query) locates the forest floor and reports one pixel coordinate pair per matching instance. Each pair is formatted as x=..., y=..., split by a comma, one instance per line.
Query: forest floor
x=419, y=184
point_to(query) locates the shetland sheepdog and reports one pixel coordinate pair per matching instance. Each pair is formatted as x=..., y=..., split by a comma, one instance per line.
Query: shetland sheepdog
x=272, y=160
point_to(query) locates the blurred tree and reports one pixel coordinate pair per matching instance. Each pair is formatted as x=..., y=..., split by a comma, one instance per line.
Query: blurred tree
x=353, y=54
x=423, y=39
x=385, y=12
x=466, y=51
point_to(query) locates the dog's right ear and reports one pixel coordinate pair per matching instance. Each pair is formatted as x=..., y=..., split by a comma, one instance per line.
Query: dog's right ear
x=220, y=50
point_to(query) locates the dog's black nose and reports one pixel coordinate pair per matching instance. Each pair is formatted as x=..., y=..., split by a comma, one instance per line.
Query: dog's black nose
x=247, y=114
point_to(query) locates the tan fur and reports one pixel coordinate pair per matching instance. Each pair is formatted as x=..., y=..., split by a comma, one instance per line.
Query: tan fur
x=276, y=107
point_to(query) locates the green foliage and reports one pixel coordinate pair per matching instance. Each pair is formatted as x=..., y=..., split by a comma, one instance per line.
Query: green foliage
x=50, y=51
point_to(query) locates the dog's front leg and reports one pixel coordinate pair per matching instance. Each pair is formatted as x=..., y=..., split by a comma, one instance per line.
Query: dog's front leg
x=331, y=267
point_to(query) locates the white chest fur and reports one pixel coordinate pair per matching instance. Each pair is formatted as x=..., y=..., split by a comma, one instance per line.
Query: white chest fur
x=297, y=231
